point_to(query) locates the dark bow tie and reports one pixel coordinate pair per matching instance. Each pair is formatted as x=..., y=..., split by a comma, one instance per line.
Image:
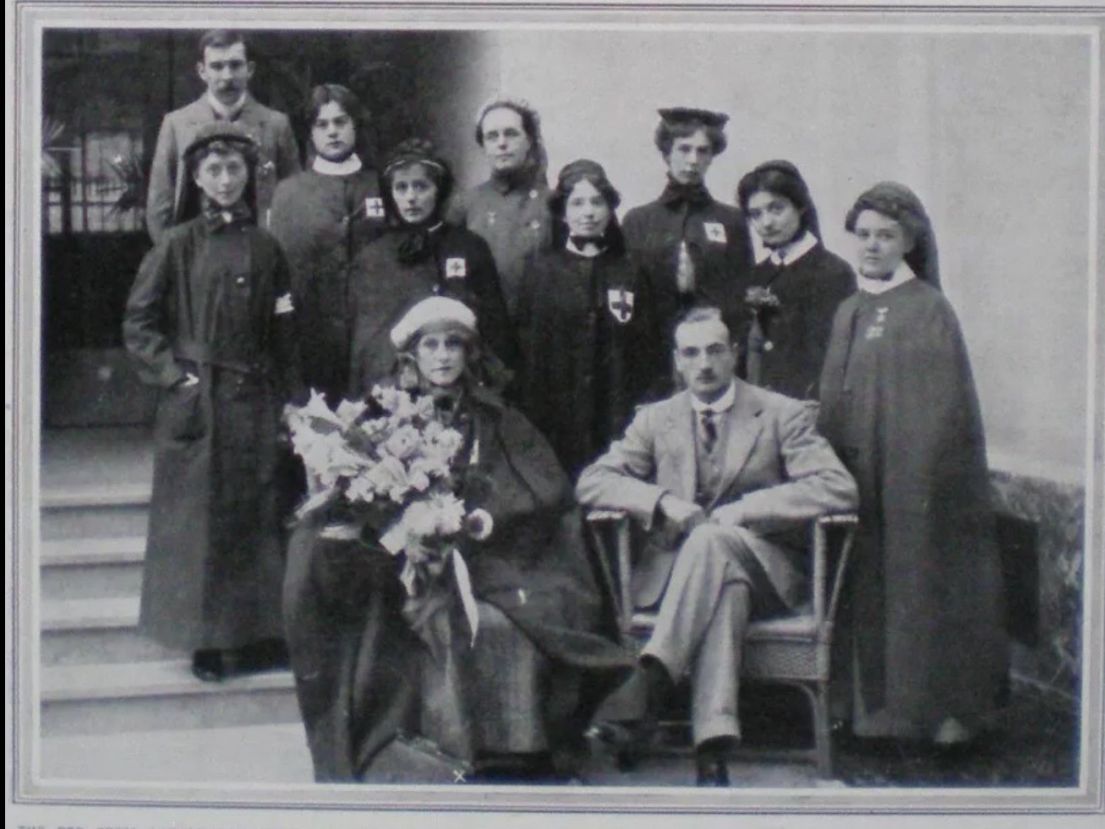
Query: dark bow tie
x=581, y=242
x=218, y=217
x=693, y=195
x=417, y=244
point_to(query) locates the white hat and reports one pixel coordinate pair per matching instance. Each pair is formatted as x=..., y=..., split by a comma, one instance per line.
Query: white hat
x=435, y=309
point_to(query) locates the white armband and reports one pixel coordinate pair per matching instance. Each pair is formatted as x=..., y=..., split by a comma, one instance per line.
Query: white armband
x=284, y=305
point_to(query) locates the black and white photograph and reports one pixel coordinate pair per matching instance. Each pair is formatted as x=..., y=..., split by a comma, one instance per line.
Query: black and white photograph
x=523, y=412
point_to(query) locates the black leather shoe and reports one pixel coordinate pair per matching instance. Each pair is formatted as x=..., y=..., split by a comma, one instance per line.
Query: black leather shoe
x=711, y=772
x=267, y=655
x=632, y=739
x=207, y=665
x=711, y=761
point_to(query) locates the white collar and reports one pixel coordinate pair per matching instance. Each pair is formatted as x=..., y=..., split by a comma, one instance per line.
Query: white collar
x=789, y=253
x=902, y=274
x=722, y=404
x=594, y=249
x=349, y=165
x=227, y=112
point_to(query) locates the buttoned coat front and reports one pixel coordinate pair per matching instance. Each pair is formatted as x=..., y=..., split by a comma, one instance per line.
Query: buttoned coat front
x=278, y=157
x=777, y=467
x=515, y=223
x=717, y=242
x=206, y=302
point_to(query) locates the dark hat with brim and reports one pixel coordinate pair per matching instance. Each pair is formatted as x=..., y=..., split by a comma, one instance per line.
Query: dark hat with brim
x=226, y=132
x=689, y=115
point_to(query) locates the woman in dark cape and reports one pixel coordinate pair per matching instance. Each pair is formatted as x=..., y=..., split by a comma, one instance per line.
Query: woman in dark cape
x=783, y=342
x=210, y=323
x=420, y=255
x=591, y=341
x=922, y=615
x=370, y=664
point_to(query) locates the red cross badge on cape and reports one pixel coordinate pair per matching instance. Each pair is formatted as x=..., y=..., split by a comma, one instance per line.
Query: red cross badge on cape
x=715, y=232
x=374, y=207
x=620, y=303
x=456, y=267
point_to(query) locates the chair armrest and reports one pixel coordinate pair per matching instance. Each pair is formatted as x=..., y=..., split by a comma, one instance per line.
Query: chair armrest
x=616, y=564
x=821, y=575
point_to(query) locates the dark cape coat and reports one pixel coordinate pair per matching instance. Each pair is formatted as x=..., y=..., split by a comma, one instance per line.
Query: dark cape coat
x=457, y=264
x=323, y=222
x=591, y=349
x=717, y=241
x=923, y=605
x=206, y=301
x=795, y=336
x=358, y=665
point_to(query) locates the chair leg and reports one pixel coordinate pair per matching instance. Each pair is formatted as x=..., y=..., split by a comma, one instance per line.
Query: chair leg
x=822, y=730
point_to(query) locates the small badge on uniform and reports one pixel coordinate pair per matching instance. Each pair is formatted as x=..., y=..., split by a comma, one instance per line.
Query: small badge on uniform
x=715, y=232
x=456, y=267
x=284, y=304
x=620, y=303
x=876, y=329
x=374, y=207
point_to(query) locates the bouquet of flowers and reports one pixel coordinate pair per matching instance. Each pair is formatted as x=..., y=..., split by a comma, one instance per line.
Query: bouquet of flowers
x=387, y=464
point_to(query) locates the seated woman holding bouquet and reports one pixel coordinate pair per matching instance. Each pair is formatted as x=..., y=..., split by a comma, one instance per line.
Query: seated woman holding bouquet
x=437, y=584
x=420, y=255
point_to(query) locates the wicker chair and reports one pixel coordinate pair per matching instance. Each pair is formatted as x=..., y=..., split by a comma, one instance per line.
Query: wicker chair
x=793, y=649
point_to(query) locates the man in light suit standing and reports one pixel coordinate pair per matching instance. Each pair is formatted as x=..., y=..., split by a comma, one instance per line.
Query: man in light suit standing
x=225, y=68
x=726, y=478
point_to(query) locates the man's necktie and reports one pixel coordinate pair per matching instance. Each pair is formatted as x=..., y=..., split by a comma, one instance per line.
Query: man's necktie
x=709, y=431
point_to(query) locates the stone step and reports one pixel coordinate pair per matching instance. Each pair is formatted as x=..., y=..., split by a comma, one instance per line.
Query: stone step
x=154, y=696
x=223, y=756
x=89, y=568
x=98, y=630
x=85, y=511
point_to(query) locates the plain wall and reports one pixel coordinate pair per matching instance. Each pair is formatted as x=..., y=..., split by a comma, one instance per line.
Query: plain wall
x=991, y=129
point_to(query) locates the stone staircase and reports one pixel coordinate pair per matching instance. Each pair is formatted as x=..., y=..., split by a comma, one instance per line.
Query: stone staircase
x=100, y=681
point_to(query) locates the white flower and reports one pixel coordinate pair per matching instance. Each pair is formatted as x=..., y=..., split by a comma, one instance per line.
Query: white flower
x=450, y=513
x=386, y=476
x=376, y=428
x=441, y=514
x=418, y=480
x=432, y=467
x=316, y=407
x=443, y=445
x=387, y=397
x=349, y=410
x=478, y=524
x=424, y=408
x=360, y=490
x=403, y=442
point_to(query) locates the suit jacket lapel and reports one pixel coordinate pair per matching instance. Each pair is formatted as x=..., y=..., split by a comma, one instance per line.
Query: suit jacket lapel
x=744, y=425
x=679, y=444
x=252, y=115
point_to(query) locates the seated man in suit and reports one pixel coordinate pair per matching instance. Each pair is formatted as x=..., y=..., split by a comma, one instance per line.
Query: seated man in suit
x=733, y=474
